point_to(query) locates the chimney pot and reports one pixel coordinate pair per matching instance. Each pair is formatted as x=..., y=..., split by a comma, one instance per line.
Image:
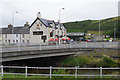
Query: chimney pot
x=10, y=26
x=26, y=25
x=39, y=15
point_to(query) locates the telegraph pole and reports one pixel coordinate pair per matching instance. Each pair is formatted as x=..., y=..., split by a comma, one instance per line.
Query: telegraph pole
x=114, y=31
x=99, y=27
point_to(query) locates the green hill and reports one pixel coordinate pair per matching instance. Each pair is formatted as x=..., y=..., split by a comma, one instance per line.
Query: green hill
x=92, y=26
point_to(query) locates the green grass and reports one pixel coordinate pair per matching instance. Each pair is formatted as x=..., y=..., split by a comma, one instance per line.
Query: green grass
x=23, y=76
x=0, y=77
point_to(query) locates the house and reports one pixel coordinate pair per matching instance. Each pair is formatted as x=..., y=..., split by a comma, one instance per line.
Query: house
x=39, y=32
x=14, y=35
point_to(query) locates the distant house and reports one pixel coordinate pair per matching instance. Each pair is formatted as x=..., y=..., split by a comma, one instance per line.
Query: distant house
x=17, y=35
x=76, y=36
x=39, y=32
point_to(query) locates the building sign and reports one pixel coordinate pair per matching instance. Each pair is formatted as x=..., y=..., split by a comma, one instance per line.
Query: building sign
x=37, y=32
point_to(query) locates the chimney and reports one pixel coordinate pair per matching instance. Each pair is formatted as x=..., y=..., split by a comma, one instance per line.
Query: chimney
x=39, y=15
x=10, y=26
x=26, y=24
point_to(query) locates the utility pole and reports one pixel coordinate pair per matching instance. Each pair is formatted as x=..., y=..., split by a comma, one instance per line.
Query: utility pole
x=114, y=31
x=99, y=27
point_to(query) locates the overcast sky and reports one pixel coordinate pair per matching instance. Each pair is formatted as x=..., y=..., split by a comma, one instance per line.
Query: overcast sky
x=75, y=10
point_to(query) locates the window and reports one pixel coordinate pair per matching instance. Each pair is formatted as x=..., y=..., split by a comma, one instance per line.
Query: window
x=6, y=36
x=16, y=41
x=9, y=41
x=13, y=41
x=44, y=38
x=5, y=40
x=62, y=32
x=41, y=24
x=16, y=35
x=27, y=41
x=23, y=35
x=23, y=41
x=51, y=33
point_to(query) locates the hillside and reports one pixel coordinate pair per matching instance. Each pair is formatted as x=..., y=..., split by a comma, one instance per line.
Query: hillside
x=107, y=25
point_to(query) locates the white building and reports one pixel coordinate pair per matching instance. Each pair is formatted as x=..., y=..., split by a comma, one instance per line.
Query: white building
x=39, y=32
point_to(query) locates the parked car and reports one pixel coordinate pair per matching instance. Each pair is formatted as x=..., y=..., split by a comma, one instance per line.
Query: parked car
x=71, y=41
x=89, y=40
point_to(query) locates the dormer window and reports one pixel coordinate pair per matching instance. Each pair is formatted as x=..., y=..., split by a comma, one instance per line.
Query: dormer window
x=50, y=24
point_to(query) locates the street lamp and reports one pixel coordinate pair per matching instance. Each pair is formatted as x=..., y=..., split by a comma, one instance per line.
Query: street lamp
x=13, y=24
x=60, y=22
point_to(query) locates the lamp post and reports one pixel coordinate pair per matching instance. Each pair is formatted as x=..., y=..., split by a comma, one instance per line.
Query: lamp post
x=13, y=24
x=60, y=22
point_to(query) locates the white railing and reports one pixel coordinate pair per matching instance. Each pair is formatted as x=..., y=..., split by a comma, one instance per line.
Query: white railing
x=52, y=68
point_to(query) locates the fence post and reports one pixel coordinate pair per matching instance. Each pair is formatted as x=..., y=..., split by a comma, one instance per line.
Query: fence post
x=2, y=70
x=70, y=45
x=76, y=72
x=26, y=72
x=56, y=45
x=100, y=72
x=50, y=71
x=86, y=44
x=40, y=44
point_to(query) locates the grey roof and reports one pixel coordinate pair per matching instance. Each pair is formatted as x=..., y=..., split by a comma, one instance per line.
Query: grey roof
x=50, y=21
x=16, y=30
x=47, y=22
x=44, y=21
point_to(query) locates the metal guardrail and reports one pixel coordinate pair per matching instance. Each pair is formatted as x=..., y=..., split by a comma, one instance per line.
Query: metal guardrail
x=52, y=68
x=103, y=45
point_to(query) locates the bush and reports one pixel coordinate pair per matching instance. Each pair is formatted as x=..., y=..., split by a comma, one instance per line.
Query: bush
x=108, y=62
x=85, y=61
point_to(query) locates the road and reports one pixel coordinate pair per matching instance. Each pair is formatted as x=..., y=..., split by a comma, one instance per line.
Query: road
x=72, y=45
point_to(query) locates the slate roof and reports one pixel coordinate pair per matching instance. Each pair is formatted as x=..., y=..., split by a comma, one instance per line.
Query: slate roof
x=44, y=21
x=16, y=30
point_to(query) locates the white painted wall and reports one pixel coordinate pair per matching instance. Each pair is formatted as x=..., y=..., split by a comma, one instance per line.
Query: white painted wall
x=36, y=39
